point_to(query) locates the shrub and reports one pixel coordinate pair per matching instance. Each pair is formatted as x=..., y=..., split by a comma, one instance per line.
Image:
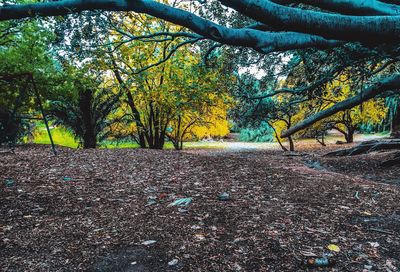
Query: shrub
x=261, y=134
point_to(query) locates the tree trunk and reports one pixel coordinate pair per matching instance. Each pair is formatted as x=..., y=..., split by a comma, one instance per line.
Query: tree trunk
x=291, y=143
x=368, y=146
x=395, y=124
x=348, y=133
x=131, y=103
x=142, y=140
x=322, y=141
x=89, y=134
x=89, y=140
x=160, y=141
x=349, y=136
x=138, y=122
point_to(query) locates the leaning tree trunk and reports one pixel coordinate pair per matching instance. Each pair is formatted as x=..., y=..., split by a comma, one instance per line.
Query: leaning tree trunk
x=277, y=137
x=322, y=141
x=131, y=103
x=395, y=124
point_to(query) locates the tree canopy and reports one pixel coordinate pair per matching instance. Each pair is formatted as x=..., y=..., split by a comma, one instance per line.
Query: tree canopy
x=370, y=29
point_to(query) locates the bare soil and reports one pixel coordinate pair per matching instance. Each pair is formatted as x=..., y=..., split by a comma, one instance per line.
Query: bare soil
x=97, y=210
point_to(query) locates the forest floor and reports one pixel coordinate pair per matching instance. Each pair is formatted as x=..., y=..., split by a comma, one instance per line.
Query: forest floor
x=108, y=210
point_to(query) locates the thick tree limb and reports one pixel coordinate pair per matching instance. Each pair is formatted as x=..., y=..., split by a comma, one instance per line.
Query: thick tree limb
x=366, y=29
x=261, y=41
x=350, y=7
x=391, y=83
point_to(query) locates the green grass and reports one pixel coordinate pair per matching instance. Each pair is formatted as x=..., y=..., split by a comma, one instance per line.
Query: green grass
x=116, y=144
x=63, y=137
x=60, y=136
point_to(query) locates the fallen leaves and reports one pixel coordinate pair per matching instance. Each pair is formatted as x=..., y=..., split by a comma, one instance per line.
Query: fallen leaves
x=115, y=202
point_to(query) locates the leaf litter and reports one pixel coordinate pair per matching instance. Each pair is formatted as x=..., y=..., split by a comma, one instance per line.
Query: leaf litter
x=280, y=212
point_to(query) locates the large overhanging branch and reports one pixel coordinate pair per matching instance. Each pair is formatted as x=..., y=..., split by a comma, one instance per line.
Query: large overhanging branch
x=366, y=29
x=391, y=83
x=350, y=7
x=261, y=41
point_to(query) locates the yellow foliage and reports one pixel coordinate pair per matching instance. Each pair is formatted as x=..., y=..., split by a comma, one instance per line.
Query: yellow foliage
x=370, y=112
x=177, y=93
x=217, y=124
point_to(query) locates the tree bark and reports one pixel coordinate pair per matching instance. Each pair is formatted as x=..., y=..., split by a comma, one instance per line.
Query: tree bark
x=131, y=103
x=349, y=136
x=395, y=124
x=291, y=144
x=261, y=41
x=89, y=134
x=334, y=26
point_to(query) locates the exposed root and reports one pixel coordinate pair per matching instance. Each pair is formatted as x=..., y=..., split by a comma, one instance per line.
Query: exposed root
x=368, y=146
x=392, y=162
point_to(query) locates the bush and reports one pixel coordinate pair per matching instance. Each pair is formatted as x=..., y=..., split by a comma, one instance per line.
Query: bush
x=11, y=130
x=261, y=134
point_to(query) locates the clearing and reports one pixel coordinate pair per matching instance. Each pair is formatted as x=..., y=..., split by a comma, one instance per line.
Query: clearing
x=98, y=210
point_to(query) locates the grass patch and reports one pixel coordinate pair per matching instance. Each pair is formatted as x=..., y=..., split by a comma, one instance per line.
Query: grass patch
x=60, y=136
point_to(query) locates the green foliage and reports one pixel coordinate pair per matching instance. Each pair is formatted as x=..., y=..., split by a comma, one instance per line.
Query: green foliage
x=261, y=134
x=85, y=109
x=24, y=52
x=12, y=129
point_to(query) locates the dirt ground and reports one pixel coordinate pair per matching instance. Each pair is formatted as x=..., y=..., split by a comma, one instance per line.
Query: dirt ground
x=108, y=210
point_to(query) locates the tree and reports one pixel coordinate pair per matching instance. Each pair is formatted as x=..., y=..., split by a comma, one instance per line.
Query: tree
x=23, y=58
x=166, y=99
x=279, y=26
x=279, y=112
x=85, y=108
x=348, y=121
x=394, y=103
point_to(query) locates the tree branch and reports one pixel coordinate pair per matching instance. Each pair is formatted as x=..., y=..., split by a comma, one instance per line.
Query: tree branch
x=351, y=7
x=391, y=83
x=366, y=29
x=264, y=42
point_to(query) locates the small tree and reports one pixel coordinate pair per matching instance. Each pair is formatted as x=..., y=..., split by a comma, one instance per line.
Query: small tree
x=168, y=91
x=86, y=111
x=347, y=122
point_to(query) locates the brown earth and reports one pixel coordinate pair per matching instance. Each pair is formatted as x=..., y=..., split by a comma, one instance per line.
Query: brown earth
x=91, y=210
